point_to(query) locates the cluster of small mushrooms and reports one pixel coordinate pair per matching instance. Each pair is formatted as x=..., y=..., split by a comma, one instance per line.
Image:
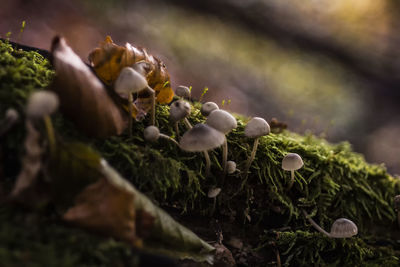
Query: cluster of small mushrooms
x=207, y=136
x=202, y=137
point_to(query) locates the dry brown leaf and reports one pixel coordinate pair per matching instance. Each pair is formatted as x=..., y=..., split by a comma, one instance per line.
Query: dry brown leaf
x=31, y=162
x=82, y=95
x=109, y=59
x=105, y=208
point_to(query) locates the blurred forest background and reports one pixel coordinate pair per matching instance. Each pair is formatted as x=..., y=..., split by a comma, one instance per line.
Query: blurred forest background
x=328, y=67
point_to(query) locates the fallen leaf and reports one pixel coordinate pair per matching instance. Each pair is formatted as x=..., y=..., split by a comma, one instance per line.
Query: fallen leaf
x=71, y=168
x=105, y=208
x=109, y=59
x=161, y=234
x=82, y=95
x=167, y=236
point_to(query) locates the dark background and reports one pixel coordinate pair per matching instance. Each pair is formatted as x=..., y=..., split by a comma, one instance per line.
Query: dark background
x=330, y=68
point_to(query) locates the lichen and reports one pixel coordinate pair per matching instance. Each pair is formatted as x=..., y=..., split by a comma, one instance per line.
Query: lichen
x=335, y=182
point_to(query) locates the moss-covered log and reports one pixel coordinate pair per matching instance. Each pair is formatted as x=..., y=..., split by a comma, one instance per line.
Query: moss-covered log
x=335, y=182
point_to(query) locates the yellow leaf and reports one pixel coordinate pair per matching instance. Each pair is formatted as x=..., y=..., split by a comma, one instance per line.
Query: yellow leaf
x=109, y=59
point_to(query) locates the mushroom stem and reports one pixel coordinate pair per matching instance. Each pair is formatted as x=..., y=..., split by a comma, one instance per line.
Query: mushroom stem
x=208, y=163
x=188, y=123
x=50, y=133
x=153, y=105
x=316, y=226
x=224, y=156
x=291, y=180
x=214, y=205
x=130, y=100
x=169, y=138
x=252, y=156
x=177, y=130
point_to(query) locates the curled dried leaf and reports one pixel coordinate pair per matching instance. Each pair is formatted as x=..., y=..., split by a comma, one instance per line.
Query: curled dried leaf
x=109, y=59
x=105, y=208
x=82, y=95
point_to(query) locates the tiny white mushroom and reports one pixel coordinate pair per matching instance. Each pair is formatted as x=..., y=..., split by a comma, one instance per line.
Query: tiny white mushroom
x=128, y=82
x=182, y=91
x=255, y=128
x=292, y=162
x=9, y=121
x=179, y=110
x=207, y=108
x=152, y=133
x=202, y=138
x=224, y=122
x=230, y=166
x=40, y=106
x=11, y=115
x=213, y=192
x=341, y=228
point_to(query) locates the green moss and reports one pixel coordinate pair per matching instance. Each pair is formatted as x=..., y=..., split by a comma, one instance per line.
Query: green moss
x=335, y=182
x=301, y=248
x=20, y=74
x=33, y=240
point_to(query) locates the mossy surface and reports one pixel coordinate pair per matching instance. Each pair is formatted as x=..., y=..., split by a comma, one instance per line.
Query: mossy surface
x=30, y=239
x=335, y=182
x=300, y=248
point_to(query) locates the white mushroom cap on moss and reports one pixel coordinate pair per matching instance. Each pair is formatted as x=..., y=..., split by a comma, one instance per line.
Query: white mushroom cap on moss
x=222, y=121
x=179, y=110
x=41, y=104
x=182, y=91
x=11, y=115
x=207, y=108
x=292, y=162
x=129, y=81
x=214, y=192
x=257, y=127
x=230, y=166
x=343, y=228
x=201, y=138
x=151, y=133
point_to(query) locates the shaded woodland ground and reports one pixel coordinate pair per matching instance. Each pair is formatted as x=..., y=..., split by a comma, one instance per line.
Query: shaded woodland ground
x=263, y=62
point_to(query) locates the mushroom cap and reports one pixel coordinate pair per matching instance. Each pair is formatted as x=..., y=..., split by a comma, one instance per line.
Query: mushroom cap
x=221, y=120
x=41, y=103
x=201, y=138
x=179, y=110
x=207, y=108
x=230, y=166
x=343, y=228
x=292, y=162
x=11, y=115
x=214, y=192
x=129, y=81
x=257, y=127
x=182, y=91
x=151, y=133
